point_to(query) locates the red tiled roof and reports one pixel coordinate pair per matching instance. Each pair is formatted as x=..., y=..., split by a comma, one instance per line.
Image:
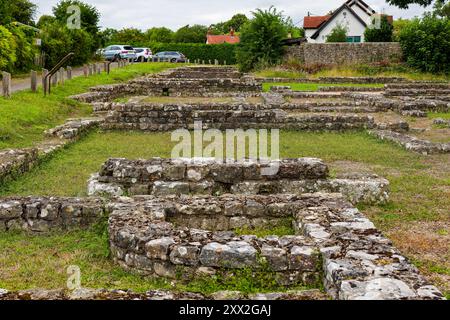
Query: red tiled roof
x=219, y=39
x=315, y=21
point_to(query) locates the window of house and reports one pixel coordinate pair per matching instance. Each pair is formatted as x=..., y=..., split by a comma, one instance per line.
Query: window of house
x=354, y=39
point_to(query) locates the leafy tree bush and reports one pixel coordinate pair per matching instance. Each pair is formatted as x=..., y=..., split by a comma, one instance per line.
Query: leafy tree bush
x=17, y=11
x=56, y=43
x=261, y=39
x=191, y=34
x=129, y=36
x=25, y=49
x=338, y=34
x=222, y=52
x=8, y=49
x=426, y=44
x=160, y=35
x=382, y=34
x=90, y=16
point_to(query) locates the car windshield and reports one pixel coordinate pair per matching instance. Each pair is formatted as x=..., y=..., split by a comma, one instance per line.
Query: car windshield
x=139, y=50
x=128, y=48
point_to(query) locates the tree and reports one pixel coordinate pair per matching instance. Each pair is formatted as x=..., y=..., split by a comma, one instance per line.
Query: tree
x=90, y=16
x=106, y=36
x=236, y=22
x=191, y=34
x=338, y=34
x=45, y=20
x=22, y=11
x=129, y=36
x=404, y=4
x=442, y=8
x=426, y=43
x=8, y=49
x=161, y=35
x=25, y=50
x=399, y=25
x=382, y=34
x=261, y=39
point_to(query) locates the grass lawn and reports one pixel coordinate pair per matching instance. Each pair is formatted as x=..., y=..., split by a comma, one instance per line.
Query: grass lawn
x=346, y=71
x=417, y=218
x=315, y=86
x=25, y=116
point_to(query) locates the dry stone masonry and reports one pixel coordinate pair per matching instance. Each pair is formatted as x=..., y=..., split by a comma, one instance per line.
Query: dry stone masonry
x=334, y=242
x=162, y=177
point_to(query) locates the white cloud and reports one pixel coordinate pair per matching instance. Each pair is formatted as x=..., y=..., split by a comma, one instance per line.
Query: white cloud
x=144, y=14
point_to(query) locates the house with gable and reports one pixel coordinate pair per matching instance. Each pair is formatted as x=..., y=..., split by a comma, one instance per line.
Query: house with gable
x=355, y=15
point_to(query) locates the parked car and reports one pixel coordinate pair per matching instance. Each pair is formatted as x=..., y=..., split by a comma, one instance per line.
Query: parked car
x=116, y=52
x=170, y=56
x=143, y=54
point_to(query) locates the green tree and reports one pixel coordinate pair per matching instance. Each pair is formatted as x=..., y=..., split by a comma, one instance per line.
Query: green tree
x=106, y=36
x=382, y=34
x=426, y=43
x=404, y=4
x=191, y=34
x=129, y=36
x=338, y=34
x=45, y=20
x=90, y=16
x=56, y=43
x=17, y=11
x=442, y=8
x=8, y=49
x=236, y=22
x=161, y=35
x=25, y=49
x=399, y=25
x=261, y=39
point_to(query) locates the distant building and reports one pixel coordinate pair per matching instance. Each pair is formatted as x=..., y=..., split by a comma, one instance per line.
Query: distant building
x=225, y=38
x=355, y=15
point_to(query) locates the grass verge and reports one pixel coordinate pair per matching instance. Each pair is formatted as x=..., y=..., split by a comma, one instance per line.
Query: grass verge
x=315, y=86
x=25, y=116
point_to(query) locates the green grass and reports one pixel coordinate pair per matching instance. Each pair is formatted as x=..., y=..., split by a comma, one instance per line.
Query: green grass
x=419, y=194
x=284, y=227
x=315, y=86
x=25, y=116
x=435, y=115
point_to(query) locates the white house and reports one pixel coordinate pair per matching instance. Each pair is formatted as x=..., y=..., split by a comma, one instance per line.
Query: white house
x=355, y=15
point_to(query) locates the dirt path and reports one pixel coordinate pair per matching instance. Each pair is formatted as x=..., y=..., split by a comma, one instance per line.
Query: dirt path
x=19, y=84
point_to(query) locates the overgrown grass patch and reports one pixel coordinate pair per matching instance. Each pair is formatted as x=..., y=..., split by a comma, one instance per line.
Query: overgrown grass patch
x=420, y=192
x=315, y=86
x=25, y=116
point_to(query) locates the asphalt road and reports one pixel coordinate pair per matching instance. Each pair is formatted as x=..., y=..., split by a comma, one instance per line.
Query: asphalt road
x=19, y=84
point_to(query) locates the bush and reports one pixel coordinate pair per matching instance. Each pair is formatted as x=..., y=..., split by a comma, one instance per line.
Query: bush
x=382, y=34
x=25, y=49
x=338, y=34
x=8, y=49
x=222, y=52
x=426, y=44
x=261, y=39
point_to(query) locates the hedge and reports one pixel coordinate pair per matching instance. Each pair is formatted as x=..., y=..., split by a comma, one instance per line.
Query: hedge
x=8, y=47
x=193, y=51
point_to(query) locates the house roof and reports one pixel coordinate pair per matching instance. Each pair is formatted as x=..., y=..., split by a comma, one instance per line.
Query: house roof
x=219, y=39
x=335, y=13
x=313, y=22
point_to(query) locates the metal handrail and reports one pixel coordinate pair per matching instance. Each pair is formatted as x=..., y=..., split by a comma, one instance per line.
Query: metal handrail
x=48, y=77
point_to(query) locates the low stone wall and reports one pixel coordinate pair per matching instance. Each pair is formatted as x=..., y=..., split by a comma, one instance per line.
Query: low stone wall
x=345, y=53
x=42, y=214
x=16, y=162
x=84, y=294
x=412, y=143
x=157, y=117
x=358, y=262
x=162, y=177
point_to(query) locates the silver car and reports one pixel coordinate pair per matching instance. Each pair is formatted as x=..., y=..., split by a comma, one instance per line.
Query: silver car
x=117, y=52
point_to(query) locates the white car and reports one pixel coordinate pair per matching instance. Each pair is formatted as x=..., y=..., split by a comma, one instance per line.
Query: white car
x=143, y=54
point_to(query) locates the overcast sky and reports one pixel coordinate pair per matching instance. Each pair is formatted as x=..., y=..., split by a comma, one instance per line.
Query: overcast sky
x=144, y=14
